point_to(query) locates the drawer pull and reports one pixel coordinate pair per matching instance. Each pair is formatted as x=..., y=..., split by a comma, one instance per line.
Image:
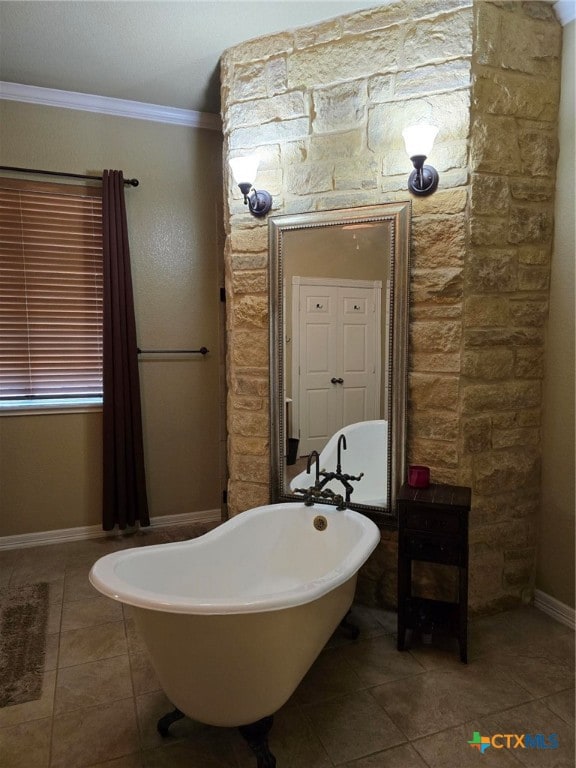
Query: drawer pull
x=434, y=551
x=418, y=520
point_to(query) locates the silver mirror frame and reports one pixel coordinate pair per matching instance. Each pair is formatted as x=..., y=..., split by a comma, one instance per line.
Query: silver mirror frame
x=399, y=217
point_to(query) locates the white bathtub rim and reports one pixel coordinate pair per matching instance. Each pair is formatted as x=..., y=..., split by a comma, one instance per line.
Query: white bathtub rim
x=103, y=577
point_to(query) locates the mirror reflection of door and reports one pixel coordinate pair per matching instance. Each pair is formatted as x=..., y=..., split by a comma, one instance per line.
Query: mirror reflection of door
x=336, y=350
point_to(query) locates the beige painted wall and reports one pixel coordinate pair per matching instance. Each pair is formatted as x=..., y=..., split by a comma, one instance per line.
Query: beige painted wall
x=50, y=466
x=555, y=572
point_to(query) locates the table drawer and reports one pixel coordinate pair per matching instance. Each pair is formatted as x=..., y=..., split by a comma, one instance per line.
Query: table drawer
x=434, y=520
x=434, y=550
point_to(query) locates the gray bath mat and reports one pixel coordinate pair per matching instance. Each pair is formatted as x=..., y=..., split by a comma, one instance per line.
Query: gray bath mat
x=23, y=619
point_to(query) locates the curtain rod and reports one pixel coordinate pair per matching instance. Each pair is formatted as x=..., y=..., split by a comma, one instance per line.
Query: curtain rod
x=131, y=182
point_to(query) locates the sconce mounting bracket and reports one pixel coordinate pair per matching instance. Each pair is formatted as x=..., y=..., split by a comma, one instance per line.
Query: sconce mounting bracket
x=259, y=202
x=423, y=181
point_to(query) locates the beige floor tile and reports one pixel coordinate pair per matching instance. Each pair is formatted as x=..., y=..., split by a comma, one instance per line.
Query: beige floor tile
x=135, y=642
x=128, y=761
x=374, y=617
x=439, y=650
x=562, y=704
x=439, y=654
x=79, y=646
x=77, y=585
x=404, y=756
x=8, y=557
x=54, y=623
x=150, y=707
x=292, y=741
x=563, y=646
x=6, y=569
x=209, y=751
x=85, y=553
x=486, y=633
x=352, y=726
x=55, y=591
x=377, y=661
x=43, y=551
x=535, y=718
x=521, y=677
x=329, y=676
x=424, y=704
x=147, y=538
x=31, y=710
x=450, y=749
x=87, y=613
x=51, y=654
x=77, y=561
x=510, y=628
x=96, y=682
x=371, y=622
x=144, y=678
x=26, y=745
x=94, y=734
x=29, y=571
x=528, y=622
x=536, y=667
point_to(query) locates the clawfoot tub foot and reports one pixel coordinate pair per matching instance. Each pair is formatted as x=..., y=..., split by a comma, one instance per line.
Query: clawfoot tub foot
x=165, y=722
x=256, y=735
x=348, y=628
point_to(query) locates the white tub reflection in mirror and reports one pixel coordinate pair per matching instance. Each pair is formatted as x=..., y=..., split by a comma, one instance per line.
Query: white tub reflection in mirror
x=366, y=449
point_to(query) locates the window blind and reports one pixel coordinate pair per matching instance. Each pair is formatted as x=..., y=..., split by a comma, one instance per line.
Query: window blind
x=50, y=290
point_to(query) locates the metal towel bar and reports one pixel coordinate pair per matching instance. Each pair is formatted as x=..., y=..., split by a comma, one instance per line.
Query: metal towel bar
x=201, y=351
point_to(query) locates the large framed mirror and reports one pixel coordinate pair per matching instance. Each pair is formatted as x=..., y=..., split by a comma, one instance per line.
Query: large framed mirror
x=339, y=301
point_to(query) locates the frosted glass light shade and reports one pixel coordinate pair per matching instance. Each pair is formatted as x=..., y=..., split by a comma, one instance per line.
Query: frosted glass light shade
x=419, y=139
x=244, y=169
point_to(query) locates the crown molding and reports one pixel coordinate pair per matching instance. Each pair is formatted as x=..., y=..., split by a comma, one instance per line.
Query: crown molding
x=50, y=97
x=565, y=11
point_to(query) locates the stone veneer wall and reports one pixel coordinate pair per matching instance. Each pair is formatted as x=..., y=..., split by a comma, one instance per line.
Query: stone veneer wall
x=324, y=107
x=514, y=149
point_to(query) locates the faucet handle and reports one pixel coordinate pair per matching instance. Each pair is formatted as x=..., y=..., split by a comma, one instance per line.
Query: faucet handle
x=325, y=493
x=340, y=503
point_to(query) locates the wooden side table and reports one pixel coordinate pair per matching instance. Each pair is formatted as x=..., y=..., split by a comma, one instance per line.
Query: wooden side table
x=433, y=527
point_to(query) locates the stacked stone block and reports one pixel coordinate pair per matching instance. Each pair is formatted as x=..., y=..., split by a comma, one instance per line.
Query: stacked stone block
x=513, y=166
x=324, y=107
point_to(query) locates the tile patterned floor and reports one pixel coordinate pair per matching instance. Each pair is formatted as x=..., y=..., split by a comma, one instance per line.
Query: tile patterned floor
x=362, y=705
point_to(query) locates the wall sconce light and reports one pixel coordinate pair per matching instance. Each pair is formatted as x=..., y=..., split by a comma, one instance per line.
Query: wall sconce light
x=244, y=170
x=419, y=140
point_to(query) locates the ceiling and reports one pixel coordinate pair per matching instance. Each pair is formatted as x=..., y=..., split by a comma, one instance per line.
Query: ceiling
x=163, y=53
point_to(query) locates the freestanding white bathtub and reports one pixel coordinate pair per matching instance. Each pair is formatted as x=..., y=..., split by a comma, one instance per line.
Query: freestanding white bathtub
x=234, y=619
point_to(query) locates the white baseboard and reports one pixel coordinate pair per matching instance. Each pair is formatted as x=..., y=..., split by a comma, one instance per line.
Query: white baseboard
x=40, y=538
x=559, y=611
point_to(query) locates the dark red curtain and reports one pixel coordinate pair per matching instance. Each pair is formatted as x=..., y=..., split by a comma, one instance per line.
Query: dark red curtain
x=124, y=497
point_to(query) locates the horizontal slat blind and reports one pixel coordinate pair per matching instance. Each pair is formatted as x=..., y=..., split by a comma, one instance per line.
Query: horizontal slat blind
x=50, y=290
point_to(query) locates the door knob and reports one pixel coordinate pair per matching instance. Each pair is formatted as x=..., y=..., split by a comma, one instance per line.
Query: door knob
x=334, y=380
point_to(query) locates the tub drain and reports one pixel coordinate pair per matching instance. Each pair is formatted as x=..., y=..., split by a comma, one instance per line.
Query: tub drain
x=320, y=523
